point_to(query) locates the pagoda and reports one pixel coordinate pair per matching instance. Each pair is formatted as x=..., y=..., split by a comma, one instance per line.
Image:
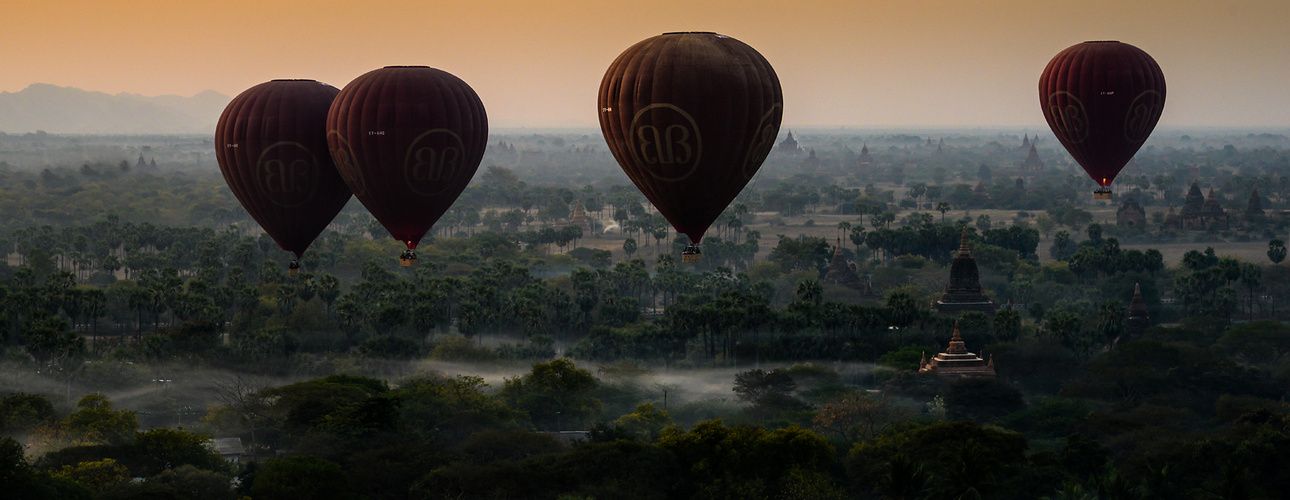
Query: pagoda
x=1025, y=142
x=579, y=217
x=1139, y=320
x=839, y=271
x=1254, y=208
x=980, y=196
x=1189, y=217
x=1032, y=165
x=1130, y=214
x=1212, y=214
x=1171, y=220
x=964, y=292
x=789, y=145
x=866, y=159
x=957, y=362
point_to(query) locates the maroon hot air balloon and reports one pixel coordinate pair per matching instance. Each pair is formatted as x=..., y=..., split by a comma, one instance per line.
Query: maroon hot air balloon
x=690, y=117
x=271, y=143
x=407, y=140
x=1102, y=100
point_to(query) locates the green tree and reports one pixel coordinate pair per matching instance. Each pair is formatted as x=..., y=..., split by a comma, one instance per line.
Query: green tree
x=1110, y=320
x=744, y=462
x=556, y=394
x=1276, y=251
x=294, y=478
x=165, y=449
x=190, y=482
x=20, y=411
x=96, y=421
x=646, y=423
x=98, y=475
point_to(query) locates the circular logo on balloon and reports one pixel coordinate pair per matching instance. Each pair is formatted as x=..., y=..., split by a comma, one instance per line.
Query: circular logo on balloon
x=1142, y=116
x=433, y=161
x=346, y=164
x=287, y=174
x=1067, y=117
x=665, y=140
x=764, y=140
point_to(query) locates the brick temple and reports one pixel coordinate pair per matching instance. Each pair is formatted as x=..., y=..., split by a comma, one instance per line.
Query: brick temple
x=957, y=362
x=964, y=292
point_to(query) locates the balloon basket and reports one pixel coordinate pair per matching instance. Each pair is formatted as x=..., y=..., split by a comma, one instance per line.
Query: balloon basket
x=1102, y=194
x=691, y=254
x=293, y=268
x=408, y=259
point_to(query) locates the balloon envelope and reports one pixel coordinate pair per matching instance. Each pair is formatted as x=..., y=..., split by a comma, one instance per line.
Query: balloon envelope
x=271, y=143
x=1102, y=100
x=407, y=140
x=690, y=117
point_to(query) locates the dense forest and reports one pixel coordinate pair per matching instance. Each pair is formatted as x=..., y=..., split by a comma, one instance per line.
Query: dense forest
x=144, y=314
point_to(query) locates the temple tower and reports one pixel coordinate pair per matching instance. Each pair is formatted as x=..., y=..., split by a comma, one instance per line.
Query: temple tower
x=1254, y=208
x=1032, y=165
x=1189, y=216
x=964, y=292
x=1139, y=320
x=1212, y=214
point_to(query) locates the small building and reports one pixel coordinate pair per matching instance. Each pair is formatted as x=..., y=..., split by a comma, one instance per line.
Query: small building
x=957, y=362
x=1131, y=214
x=964, y=292
x=228, y=448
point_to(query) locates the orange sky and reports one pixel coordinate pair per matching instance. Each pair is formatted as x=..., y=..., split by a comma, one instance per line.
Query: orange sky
x=915, y=63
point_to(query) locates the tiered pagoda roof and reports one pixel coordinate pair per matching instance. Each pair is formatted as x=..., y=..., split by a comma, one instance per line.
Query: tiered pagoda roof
x=957, y=362
x=964, y=292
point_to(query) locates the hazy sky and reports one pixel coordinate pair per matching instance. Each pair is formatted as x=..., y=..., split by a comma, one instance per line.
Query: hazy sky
x=918, y=63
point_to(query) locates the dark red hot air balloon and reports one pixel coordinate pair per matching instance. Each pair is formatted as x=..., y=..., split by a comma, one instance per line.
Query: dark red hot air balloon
x=271, y=143
x=690, y=117
x=407, y=140
x=1102, y=100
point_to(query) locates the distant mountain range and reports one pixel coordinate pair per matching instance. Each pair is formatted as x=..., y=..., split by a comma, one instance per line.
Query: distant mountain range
x=67, y=110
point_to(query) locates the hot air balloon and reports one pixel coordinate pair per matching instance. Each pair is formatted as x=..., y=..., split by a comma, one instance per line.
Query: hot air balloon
x=690, y=117
x=271, y=143
x=1102, y=100
x=407, y=140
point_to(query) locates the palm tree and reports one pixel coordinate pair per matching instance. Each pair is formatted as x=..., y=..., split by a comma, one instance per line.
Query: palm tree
x=905, y=479
x=942, y=207
x=809, y=290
